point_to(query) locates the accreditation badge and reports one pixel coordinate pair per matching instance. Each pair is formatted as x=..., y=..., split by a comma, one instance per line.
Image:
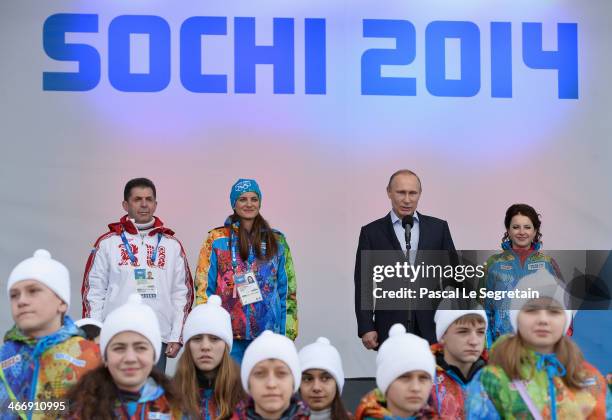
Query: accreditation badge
x=145, y=282
x=248, y=289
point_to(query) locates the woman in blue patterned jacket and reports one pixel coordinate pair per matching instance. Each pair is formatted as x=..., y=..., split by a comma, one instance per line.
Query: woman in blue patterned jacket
x=522, y=255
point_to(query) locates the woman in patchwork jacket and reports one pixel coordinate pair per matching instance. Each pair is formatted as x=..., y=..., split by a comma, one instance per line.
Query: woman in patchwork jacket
x=249, y=266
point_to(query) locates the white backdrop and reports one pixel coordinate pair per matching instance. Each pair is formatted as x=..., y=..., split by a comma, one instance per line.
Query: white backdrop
x=322, y=160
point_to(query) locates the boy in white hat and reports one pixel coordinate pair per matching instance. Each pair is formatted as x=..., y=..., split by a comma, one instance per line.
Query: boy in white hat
x=127, y=385
x=271, y=374
x=206, y=375
x=460, y=353
x=405, y=370
x=322, y=380
x=44, y=353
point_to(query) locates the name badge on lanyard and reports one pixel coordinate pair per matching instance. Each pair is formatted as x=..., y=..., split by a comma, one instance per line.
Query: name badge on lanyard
x=245, y=284
x=144, y=277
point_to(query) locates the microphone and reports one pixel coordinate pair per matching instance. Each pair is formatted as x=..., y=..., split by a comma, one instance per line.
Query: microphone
x=407, y=223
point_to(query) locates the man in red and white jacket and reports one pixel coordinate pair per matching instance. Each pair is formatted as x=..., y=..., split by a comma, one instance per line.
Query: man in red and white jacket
x=140, y=255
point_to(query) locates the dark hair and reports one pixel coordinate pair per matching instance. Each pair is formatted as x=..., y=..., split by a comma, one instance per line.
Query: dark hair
x=95, y=395
x=404, y=172
x=91, y=331
x=138, y=182
x=527, y=211
x=338, y=411
x=260, y=232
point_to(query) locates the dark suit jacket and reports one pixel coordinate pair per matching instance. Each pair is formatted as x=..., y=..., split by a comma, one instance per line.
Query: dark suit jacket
x=379, y=235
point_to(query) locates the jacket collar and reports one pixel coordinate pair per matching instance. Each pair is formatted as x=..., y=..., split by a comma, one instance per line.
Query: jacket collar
x=68, y=330
x=126, y=225
x=441, y=366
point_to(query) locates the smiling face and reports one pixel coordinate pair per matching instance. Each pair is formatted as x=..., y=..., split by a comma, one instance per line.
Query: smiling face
x=271, y=386
x=318, y=389
x=141, y=204
x=521, y=232
x=541, y=324
x=36, y=309
x=247, y=206
x=409, y=393
x=404, y=193
x=130, y=358
x=207, y=351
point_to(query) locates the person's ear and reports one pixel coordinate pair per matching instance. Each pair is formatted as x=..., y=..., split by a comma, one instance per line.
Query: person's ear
x=124, y=204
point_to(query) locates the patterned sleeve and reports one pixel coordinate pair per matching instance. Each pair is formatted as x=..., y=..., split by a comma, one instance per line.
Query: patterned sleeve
x=206, y=272
x=478, y=404
x=287, y=289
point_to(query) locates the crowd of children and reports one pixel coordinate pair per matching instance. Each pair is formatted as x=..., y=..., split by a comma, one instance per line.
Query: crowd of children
x=88, y=370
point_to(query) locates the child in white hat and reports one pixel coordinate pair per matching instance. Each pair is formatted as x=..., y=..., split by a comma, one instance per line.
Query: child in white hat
x=271, y=374
x=405, y=370
x=538, y=372
x=322, y=380
x=44, y=353
x=460, y=354
x=127, y=385
x=206, y=374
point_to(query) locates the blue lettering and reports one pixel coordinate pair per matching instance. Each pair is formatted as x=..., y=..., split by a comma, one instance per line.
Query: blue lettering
x=54, y=44
x=119, y=32
x=247, y=55
x=501, y=60
x=372, y=60
x=315, y=56
x=564, y=60
x=435, y=51
x=191, y=54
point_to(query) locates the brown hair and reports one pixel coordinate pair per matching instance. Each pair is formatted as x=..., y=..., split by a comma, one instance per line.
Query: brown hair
x=95, y=395
x=338, y=411
x=471, y=319
x=260, y=232
x=527, y=211
x=403, y=172
x=228, y=389
x=511, y=352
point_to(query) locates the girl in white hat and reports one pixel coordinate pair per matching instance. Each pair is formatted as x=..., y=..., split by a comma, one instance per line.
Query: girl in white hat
x=270, y=374
x=538, y=372
x=206, y=376
x=322, y=380
x=127, y=386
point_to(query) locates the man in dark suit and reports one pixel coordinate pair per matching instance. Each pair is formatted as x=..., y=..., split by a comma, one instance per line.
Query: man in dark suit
x=387, y=234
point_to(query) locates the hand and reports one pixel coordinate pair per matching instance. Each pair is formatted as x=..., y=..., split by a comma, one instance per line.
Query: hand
x=172, y=349
x=370, y=340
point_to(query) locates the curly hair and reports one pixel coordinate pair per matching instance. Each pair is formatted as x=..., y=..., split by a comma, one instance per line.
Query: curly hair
x=527, y=211
x=95, y=395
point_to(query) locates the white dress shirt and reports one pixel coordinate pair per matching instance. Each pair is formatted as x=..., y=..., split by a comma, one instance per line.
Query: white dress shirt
x=401, y=237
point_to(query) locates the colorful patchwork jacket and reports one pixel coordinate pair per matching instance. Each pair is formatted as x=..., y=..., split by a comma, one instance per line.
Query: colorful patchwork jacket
x=152, y=404
x=276, y=279
x=493, y=395
x=374, y=406
x=502, y=273
x=448, y=392
x=298, y=410
x=209, y=409
x=43, y=369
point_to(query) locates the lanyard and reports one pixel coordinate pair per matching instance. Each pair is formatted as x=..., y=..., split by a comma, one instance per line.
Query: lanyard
x=11, y=395
x=249, y=262
x=128, y=248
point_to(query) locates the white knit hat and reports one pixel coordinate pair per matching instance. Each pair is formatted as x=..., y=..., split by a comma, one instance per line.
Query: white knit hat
x=132, y=316
x=322, y=355
x=271, y=346
x=42, y=268
x=401, y=353
x=444, y=318
x=547, y=286
x=88, y=321
x=209, y=318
